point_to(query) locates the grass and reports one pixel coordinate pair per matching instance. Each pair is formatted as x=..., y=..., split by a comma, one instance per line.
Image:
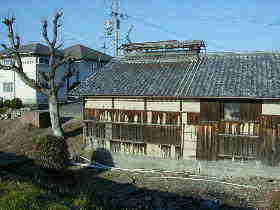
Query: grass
x=22, y=195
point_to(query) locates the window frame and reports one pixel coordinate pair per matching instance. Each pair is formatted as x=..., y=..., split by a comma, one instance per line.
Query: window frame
x=8, y=87
x=213, y=110
x=223, y=111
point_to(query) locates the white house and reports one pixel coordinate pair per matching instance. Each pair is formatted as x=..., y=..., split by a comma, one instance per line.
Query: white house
x=35, y=59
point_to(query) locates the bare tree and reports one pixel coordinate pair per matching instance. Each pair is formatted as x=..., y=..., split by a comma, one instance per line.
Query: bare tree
x=49, y=82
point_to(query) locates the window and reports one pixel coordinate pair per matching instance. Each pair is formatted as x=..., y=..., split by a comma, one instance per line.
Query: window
x=7, y=87
x=43, y=60
x=231, y=111
x=214, y=111
x=92, y=67
x=6, y=61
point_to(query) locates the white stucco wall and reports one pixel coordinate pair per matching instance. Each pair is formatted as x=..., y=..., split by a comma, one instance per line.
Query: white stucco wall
x=271, y=108
x=191, y=106
x=129, y=104
x=99, y=103
x=27, y=94
x=169, y=106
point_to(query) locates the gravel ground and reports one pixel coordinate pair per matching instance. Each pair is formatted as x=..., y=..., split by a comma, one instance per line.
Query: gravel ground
x=235, y=183
x=129, y=189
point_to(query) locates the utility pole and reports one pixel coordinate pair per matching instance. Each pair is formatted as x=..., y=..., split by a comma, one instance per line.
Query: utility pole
x=116, y=16
x=112, y=27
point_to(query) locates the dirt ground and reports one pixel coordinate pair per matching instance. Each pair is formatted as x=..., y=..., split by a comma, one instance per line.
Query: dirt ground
x=18, y=137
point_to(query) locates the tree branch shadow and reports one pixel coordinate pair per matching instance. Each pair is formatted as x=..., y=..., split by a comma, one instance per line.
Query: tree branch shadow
x=102, y=191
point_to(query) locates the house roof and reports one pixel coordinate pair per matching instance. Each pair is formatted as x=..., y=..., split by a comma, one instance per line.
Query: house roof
x=34, y=48
x=78, y=51
x=82, y=52
x=249, y=75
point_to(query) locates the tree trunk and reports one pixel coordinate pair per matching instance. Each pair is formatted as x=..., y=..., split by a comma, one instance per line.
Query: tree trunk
x=55, y=117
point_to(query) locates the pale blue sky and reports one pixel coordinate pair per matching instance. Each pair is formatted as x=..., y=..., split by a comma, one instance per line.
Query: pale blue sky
x=237, y=25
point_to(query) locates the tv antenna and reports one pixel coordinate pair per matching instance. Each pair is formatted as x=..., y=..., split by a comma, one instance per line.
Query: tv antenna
x=113, y=26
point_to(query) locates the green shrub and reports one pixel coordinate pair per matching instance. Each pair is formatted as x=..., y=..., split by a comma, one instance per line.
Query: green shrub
x=51, y=152
x=7, y=103
x=3, y=110
x=16, y=103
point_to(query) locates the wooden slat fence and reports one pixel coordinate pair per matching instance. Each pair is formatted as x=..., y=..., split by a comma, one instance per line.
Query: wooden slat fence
x=207, y=144
x=155, y=134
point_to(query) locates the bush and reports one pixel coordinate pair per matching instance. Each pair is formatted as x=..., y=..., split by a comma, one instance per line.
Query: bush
x=16, y=103
x=7, y=103
x=3, y=110
x=51, y=152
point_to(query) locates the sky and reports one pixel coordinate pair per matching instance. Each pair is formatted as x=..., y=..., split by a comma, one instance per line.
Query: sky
x=239, y=25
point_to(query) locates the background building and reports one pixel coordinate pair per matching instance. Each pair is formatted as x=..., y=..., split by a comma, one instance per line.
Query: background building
x=35, y=58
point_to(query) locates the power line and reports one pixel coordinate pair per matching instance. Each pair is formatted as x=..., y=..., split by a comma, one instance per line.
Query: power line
x=156, y=26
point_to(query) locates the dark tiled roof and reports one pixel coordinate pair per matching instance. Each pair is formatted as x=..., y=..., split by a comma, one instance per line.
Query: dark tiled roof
x=81, y=52
x=215, y=75
x=35, y=48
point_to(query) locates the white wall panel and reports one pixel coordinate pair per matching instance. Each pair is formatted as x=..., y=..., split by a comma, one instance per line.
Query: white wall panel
x=272, y=108
x=98, y=103
x=129, y=104
x=190, y=106
x=169, y=106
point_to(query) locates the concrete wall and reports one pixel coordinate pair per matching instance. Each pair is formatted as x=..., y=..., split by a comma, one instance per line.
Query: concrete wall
x=221, y=168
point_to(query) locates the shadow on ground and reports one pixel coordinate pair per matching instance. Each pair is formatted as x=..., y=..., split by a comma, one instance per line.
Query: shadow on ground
x=99, y=189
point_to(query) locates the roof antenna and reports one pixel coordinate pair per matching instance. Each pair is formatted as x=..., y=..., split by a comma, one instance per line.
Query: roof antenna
x=127, y=36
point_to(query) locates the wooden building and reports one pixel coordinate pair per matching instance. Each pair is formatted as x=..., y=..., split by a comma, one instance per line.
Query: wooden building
x=185, y=105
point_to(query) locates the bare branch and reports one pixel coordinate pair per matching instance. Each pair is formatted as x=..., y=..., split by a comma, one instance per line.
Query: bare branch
x=4, y=46
x=17, y=45
x=13, y=51
x=63, y=61
x=32, y=83
x=56, y=25
x=70, y=72
x=59, y=46
x=44, y=79
x=44, y=75
x=9, y=22
x=45, y=31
